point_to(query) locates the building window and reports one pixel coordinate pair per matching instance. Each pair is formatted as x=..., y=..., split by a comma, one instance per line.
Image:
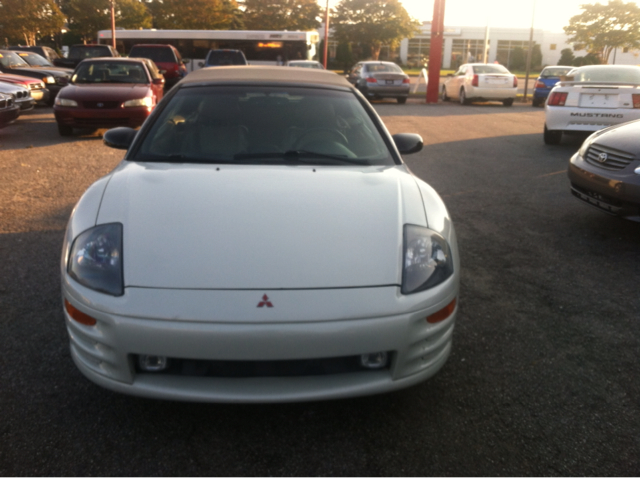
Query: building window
x=552, y=46
x=466, y=51
x=418, y=54
x=506, y=56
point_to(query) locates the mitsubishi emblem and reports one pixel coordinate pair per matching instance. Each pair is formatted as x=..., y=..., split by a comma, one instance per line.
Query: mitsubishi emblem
x=602, y=157
x=265, y=301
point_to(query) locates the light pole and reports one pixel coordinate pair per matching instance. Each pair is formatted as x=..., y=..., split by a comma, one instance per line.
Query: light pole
x=113, y=24
x=326, y=35
x=526, y=78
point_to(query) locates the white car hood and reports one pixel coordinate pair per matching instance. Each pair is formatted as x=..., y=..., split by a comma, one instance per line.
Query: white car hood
x=261, y=227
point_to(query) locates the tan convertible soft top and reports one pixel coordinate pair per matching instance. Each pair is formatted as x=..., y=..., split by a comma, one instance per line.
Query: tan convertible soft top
x=268, y=74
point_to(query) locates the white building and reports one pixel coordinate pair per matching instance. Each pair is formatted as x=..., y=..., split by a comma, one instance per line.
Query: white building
x=465, y=44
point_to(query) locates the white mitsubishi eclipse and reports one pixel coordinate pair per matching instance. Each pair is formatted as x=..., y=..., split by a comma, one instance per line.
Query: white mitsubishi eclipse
x=591, y=98
x=261, y=241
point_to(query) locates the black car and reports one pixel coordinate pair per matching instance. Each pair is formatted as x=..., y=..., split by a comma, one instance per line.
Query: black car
x=53, y=78
x=44, y=51
x=77, y=53
x=605, y=172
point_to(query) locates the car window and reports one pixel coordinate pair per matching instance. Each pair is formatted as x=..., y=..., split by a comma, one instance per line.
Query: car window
x=159, y=55
x=34, y=59
x=77, y=53
x=607, y=74
x=225, y=57
x=264, y=125
x=110, y=72
x=555, y=72
x=9, y=59
x=383, y=68
x=487, y=69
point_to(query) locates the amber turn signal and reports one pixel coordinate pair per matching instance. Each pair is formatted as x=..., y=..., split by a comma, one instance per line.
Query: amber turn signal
x=442, y=313
x=78, y=316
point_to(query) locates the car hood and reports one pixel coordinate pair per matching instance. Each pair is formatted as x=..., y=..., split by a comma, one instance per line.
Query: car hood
x=261, y=227
x=9, y=78
x=104, y=92
x=44, y=71
x=622, y=138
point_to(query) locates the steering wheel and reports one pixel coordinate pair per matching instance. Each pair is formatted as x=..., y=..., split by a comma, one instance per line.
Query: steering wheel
x=320, y=134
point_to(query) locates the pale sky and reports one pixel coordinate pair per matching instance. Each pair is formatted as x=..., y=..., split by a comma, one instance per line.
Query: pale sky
x=549, y=14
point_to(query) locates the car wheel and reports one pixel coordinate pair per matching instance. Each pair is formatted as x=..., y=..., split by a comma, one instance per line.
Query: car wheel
x=444, y=94
x=508, y=102
x=552, y=136
x=535, y=102
x=65, y=130
x=402, y=99
x=463, y=97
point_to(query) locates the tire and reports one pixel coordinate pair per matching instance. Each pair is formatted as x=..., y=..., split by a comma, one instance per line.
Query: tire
x=552, y=137
x=463, y=97
x=535, y=102
x=65, y=130
x=402, y=99
x=443, y=95
x=508, y=102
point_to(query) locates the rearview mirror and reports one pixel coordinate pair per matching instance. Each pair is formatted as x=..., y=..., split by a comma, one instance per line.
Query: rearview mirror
x=408, y=143
x=119, y=138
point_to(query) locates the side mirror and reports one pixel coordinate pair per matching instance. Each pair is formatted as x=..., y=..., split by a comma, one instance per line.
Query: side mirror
x=158, y=81
x=201, y=64
x=408, y=143
x=119, y=138
x=64, y=81
x=185, y=61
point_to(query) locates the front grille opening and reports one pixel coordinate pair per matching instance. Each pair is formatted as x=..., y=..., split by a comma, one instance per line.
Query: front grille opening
x=262, y=368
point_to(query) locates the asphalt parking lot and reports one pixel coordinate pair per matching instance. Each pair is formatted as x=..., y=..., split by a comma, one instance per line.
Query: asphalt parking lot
x=542, y=380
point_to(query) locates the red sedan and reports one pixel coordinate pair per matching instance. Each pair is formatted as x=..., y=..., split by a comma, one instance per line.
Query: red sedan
x=109, y=92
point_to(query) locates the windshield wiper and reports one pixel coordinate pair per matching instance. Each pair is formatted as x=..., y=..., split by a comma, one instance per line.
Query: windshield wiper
x=296, y=155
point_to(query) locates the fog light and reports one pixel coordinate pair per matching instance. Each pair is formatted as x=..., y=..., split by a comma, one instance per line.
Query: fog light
x=153, y=363
x=374, y=361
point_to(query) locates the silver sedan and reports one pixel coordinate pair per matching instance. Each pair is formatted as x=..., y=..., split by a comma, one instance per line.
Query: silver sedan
x=380, y=79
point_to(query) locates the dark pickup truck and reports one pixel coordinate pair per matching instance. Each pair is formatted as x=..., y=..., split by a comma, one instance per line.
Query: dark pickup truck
x=77, y=53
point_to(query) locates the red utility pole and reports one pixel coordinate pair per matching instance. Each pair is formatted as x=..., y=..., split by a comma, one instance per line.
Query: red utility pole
x=435, y=51
x=113, y=24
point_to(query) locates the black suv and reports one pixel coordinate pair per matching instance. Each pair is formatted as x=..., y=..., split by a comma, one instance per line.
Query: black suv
x=77, y=53
x=225, y=57
x=44, y=51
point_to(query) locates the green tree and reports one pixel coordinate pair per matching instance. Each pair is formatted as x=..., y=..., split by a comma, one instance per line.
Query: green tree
x=281, y=14
x=23, y=21
x=566, y=57
x=602, y=28
x=344, y=56
x=536, y=56
x=373, y=22
x=195, y=14
x=517, y=59
x=86, y=17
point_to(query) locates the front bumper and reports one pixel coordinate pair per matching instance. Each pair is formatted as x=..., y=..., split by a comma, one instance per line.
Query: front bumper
x=201, y=325
x=26, y=104
x=613, y=192
x=9, y=115
x=101, y=118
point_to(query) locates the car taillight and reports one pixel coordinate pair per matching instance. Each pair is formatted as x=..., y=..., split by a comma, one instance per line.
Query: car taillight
x=540, y=84
x=406, y=80
x=371, y=80
x=515, y=82
x=474, y=82
x=636, y=101
x=557, y=98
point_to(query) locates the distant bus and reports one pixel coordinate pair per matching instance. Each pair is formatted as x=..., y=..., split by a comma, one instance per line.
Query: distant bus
x=260, y=47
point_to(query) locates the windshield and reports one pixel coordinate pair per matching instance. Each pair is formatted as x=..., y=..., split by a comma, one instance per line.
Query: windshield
x=555, y=72
x=9, y=59
x=264, y=125
x=157, y=54
x=34, y=59
x=384, y=68
x=484, y=69
x=606, y=74
x=82, y=52
x=110, y=72
x=225, y=57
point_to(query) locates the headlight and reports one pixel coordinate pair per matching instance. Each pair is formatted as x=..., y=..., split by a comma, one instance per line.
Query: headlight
x=146, y=101
x=427, y=259
x=95, y=260
x=65, y=102
x=49, y=80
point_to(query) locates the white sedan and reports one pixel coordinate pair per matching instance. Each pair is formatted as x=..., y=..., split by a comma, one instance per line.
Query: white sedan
x=247, y=251
x=480, y=82
x=591, y=98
